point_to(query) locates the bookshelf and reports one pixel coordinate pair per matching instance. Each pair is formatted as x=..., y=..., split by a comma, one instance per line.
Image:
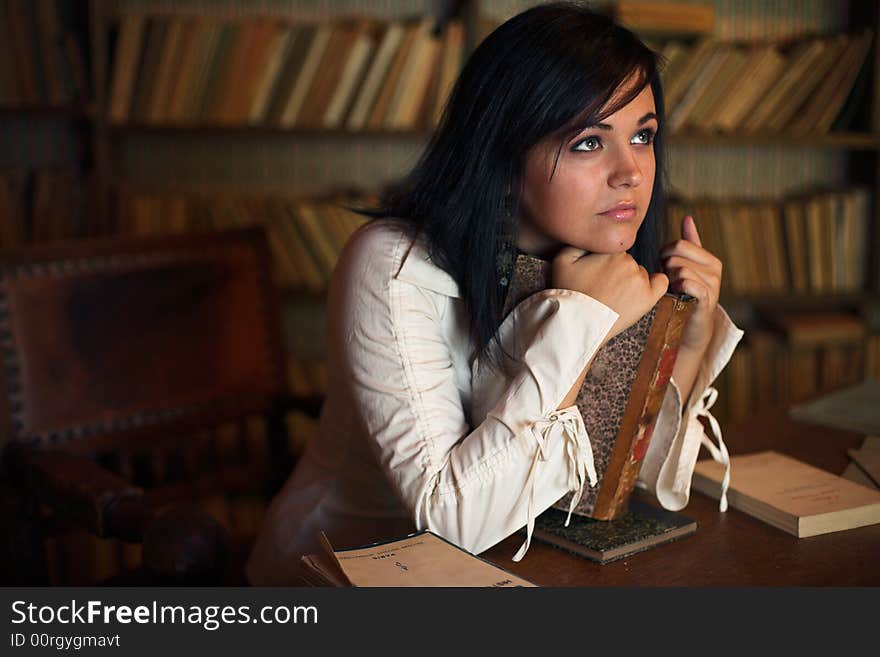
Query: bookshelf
x=203, y=157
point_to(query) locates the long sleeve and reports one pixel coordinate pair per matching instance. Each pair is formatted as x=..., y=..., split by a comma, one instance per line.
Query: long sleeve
x=474, y=485
x=672, y=453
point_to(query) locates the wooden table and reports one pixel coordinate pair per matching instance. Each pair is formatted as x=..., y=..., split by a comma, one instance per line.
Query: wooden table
x=732, y=548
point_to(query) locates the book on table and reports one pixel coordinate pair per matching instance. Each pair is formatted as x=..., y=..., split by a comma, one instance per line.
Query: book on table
x=421, y=559
x=619, y=402
x=643, y=526
x=622, y=391
x=789, y=494
x=853, y=408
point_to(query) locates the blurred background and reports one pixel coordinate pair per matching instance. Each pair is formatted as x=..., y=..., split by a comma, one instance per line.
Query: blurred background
x=158, y=118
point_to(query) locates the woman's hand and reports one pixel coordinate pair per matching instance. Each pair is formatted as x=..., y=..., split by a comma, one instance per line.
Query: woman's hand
x=615, y=280
x=695, y=271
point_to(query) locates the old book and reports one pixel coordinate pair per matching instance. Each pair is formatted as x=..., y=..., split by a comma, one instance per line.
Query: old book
x=290, y=68
x=666, y=17
x=690, y=67
x=816, y=328
x=622, y=392
x=146, y=78
x=765, y=64
x=642, y=527
x=833, y=48
x=190, y=52
x=854, y=408
x=794, y=215
x=413, y=83
x=422, y=559
x=868, y=460
x=352, y=75
x=801, y=59
x=378, y=114
x=790, y=494
x=207, y=42
x=855, y=473
x=390, y=41
x=855, y=59
x=330, y=70
x=125, y=62
x=167, y=69
x=305, y=75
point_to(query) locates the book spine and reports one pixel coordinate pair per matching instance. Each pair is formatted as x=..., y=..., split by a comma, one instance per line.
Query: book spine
x=637, y=425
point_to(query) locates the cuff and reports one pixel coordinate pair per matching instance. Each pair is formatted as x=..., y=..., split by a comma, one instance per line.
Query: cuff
x=668, y=467
x=551, y=336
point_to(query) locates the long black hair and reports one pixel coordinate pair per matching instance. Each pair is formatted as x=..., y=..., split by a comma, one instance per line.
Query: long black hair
x=549, y=71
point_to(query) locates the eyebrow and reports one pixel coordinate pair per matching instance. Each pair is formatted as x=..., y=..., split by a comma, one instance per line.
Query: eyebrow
x=604, y=126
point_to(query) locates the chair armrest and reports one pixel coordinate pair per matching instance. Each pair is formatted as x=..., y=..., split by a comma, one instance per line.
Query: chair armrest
x=182, y=545
x=78, y=488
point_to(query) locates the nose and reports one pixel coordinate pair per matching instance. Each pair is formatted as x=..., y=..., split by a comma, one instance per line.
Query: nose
x=625, y=171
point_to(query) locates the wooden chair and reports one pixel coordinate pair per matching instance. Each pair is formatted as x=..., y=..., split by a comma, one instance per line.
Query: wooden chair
x=124, y=364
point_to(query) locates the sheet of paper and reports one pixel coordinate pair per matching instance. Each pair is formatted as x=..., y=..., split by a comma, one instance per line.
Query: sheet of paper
x=422, y=559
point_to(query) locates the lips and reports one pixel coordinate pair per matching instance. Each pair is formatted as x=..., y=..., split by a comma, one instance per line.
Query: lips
x=621, y=211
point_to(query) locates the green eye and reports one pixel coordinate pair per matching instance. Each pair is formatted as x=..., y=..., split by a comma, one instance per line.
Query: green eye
x=590, y=143
x=645, y=136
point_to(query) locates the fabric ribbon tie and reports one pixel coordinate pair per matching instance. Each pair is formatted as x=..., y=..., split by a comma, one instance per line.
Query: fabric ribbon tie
x=719, y=453
x=568, y=426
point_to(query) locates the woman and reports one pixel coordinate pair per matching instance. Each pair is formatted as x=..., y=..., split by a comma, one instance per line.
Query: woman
x=548, y=145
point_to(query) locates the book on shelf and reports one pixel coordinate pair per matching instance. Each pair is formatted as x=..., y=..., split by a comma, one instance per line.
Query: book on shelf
x=683, y=75
x=379, y=112
x=642, y=527
x=637, y=364
x=764, y=63
x=825, y=102
x=389, y=43
x=789, y=494
x=277, y=50
x=422, y=559
x=802, y=57
x=351, y=76
x=810, y=328
x=43, y=64
x=853, y=408
x=665, y=17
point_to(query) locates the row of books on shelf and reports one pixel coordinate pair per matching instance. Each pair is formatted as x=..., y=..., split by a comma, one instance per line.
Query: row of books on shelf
x=305, y=235
x=354, y=74
x=804, y=245
x=769, y=368
x=43, y=63
x=799, y=87
x=42, y=205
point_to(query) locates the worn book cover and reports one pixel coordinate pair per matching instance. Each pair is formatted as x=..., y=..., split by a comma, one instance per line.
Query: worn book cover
x=790, y=494
x=622, y=392
x=421, y=559
x=642, y=527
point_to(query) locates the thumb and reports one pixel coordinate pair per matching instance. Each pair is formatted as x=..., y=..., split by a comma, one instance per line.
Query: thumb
x=689, y=231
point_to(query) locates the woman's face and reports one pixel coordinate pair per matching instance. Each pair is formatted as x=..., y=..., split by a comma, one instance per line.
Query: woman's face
x=600, y=191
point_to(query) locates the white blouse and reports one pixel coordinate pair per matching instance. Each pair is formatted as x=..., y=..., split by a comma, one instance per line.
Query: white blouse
x=414, y=436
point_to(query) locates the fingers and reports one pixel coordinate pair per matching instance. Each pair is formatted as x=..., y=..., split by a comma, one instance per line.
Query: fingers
x=689, y=231
x=680, y=270
x=691, y=251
